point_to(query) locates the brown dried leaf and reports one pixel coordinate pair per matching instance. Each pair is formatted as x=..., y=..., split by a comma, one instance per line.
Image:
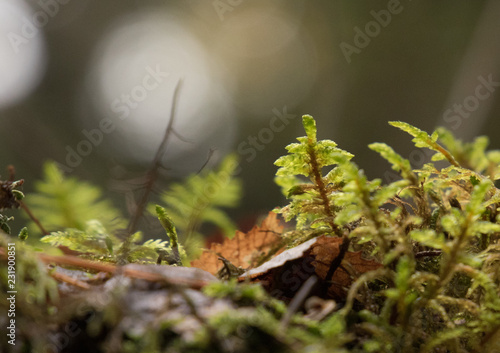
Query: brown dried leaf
x=283, y=275
x=243, y=249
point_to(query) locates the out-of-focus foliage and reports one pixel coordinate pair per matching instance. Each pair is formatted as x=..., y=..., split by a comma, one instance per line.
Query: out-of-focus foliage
x=96, y=242
x=66, y=202
x=201, y=199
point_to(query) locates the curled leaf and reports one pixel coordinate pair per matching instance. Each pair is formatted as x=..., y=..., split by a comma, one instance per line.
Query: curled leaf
x=242, y=250
x=283, y=275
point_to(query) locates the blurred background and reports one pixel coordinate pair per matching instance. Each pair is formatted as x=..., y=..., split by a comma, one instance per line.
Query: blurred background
x=89, y=83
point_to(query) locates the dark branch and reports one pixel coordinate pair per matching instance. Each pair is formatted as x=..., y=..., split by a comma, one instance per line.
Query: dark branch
x=153, y=172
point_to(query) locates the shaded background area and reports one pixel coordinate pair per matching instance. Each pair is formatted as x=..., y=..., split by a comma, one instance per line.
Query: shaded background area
x=89, y=83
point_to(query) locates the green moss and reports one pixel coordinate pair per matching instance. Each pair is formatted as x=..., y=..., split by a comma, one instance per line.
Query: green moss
x=61, y=202
x=435, y=231
x=200, y=199
x=433, y=241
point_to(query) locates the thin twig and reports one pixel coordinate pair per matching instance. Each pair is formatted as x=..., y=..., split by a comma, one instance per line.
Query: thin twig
x=61, y=277
x=428, y=253
x=344, y=246
x=12, y=172
x=152, y=174
x=180, y=137
x=298, y=300
x=76, y=261
x=33, y=218
x=210, y=154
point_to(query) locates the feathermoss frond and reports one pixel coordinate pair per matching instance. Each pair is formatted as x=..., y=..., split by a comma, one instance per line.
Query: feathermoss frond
x=434, y=230
x=95, y=242
x=312, y=203
x=200, y=199
x=169, y=227
x=63, y=202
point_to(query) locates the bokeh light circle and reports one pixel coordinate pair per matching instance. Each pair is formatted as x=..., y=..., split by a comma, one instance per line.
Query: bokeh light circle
x=22, y=51
x=135, y=70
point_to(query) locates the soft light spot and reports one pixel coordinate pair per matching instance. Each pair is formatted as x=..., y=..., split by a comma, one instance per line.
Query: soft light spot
x=22, y=51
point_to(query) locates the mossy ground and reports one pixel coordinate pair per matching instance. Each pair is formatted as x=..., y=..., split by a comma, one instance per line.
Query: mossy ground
x=433, y=234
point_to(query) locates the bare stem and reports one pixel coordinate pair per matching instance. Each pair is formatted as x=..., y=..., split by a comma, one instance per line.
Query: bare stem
x=33, y=218
x=151, y=177
x=153, y=172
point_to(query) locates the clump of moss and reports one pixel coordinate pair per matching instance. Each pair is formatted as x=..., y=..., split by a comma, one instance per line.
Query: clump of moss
x=435, y=230
x=433, y=233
